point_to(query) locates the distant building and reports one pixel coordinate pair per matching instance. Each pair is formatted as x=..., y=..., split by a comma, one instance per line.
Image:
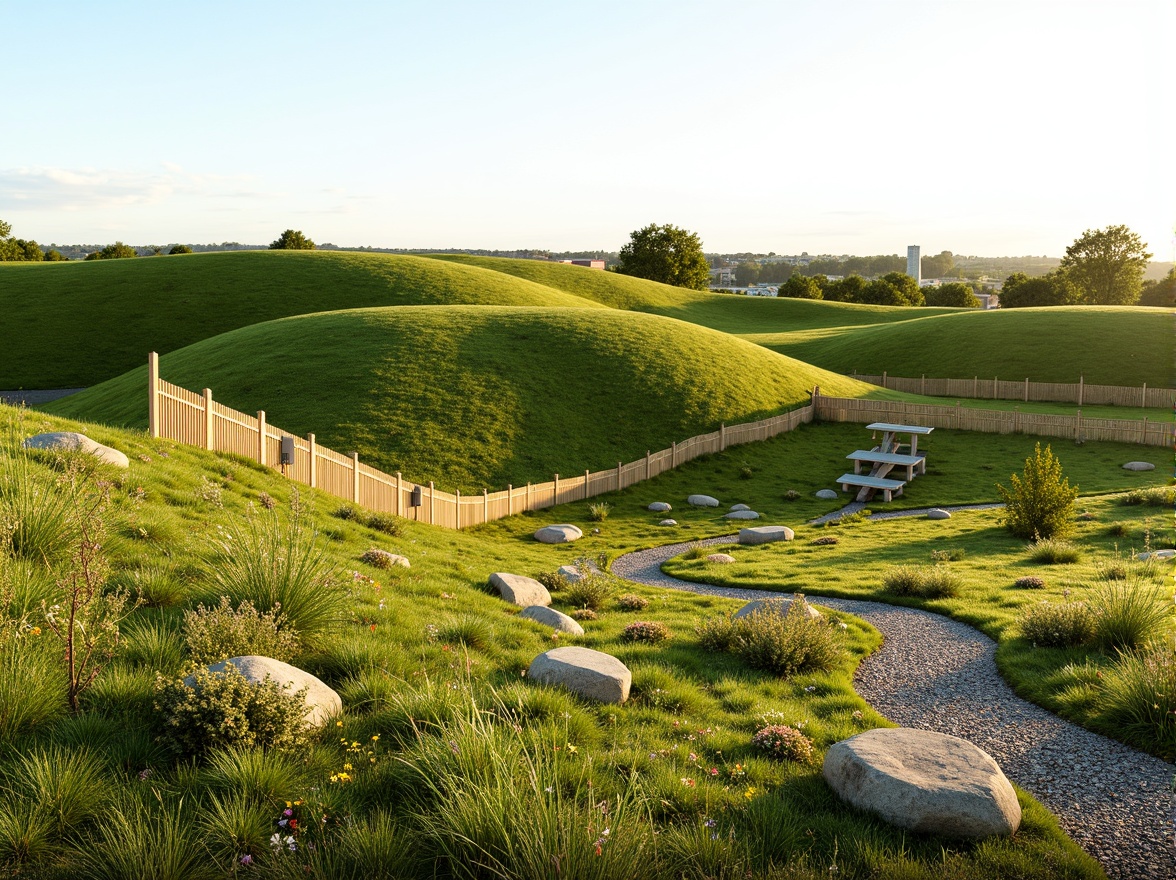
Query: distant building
x=989, y=300
x=914, y=264
x=724, y=277
x=591, y=264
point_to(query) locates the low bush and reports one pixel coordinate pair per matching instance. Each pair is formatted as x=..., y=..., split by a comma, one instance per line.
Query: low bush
x=599, y=511
x=632, y=602
x=1127, y=615
x=791, y=495
x=584, y=614
x=347, y=513
x=1112, y=571
x=590, y=591
x=825, y=540
x=926, y=582
x=745, y=471
x=471, y=630
x=218, y=633
x=697, y=551
x=1029, y=583
x=1058, y=624
x=1051, y=551
x=646, y=631
x=782, y=741
x=155, y=584
x=1040, y=502
x=553, y=580
x=1119, y=529
x=377, y=558
x=389, y=524
x=1138, y=700
x=716, y=633
x=223, y=710
x=787, y=643
x=1157, y=496
x=953, y=555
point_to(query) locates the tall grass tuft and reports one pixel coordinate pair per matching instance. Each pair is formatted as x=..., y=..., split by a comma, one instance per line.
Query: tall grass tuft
x=38, y=510
x=1058, y=624
x=32, y=688
x=66, y=785
x=590, y=591
x=927, y=582
x=1127, y=615
x=280, y=567
x=1138, y=701
x=1051, y=551
x=377, y=847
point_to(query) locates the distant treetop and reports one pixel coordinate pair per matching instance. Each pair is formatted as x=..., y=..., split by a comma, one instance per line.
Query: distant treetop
x=292, y=240
x=666, y=254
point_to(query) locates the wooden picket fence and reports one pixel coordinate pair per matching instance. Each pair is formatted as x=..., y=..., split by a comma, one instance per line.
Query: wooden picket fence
x=982, y=388
x=198, y=420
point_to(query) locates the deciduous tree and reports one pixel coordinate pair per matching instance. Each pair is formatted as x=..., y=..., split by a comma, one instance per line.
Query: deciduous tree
x=292, y=240
x=180, y=249
x=116, y=251
x=1054, y=289
x=1107, y=265
x=666, y=254
x=951, y=295
x=1160, y=293
x=801, y=287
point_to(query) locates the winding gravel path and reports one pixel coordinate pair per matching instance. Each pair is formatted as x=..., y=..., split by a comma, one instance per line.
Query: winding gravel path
x=939, y=674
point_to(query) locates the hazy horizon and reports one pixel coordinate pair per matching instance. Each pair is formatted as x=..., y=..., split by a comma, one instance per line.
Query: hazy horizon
x=988, y=128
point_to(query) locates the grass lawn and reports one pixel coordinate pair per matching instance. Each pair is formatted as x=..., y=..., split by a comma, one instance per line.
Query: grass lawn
x=471, y=764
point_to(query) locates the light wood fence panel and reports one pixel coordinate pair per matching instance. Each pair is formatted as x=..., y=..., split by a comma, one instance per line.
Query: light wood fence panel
x=995, y=388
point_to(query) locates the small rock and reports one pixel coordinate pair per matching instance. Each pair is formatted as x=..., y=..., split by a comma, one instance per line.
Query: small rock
x=519, y=589
x=571, y=573
x=668, y=522
x=703, y=501
x=742, y=514
x=765, y=534
x=827, y=494
x=552, y=619
x=659, y=507
x=322, y=702
x=383, y=559
x=1157, y=554
x=774, y=606
x=721, y=558
x=71, y=441
x=735, y=507
x=589, y=673
x=938, y=513
x=1139, y=466
x=924, y=781
x=563, y=533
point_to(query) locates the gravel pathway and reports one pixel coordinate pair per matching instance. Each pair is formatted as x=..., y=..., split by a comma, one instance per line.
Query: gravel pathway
x=939, y=674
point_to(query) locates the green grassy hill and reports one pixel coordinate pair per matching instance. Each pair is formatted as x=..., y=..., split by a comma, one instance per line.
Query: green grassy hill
x=477, y=397
x=1109, y=346
x=76, y=324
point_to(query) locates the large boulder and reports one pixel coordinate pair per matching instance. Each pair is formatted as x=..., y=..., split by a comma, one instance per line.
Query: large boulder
x=71, y=441
x=1139, y=466
x=1156, y=554
x=938, y=513
x=827, y=494
x=702, y=501
x=322, y=703
x=659, y=507
x=775, y=606
x=561, y=533
x=589, y=673
x=519, y=589
x=742, y=514
x=924, y=781
x=765, y=534
x=552, y=619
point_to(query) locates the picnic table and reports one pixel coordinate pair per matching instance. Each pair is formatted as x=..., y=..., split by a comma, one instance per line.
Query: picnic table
x=914, y=464
x=890, y=440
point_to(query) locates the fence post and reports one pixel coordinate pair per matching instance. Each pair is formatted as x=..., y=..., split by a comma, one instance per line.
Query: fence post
x=457, y=510
x=1026, y=389
x=1016, y=419
x=722, y=436
x=673, y=453
x=1143, y=401
x=209, y=436
x=486, y=506
x=883, y=378
x=509, y=499
x=313, y=460
x=619, y=486
x=261, y=436
x=994, y=397
x=355, y=477
x=555, y=494
x=399, y=506
x=153, y=393
x=586, y=483
x=923, y=384
x=957, y=415
x=432, y=504
x=1078, y=422
x=975, y=387
x=1081, y=388
x=647, y=464
x=527, y=503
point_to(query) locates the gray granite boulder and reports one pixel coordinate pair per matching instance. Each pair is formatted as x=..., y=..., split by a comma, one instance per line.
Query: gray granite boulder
x=742, y=514
x=552, y=619
x=659, y=507
x=735, y=507
x=322, y=703
x=775, y=606
x=827, y=494
x=668, y=522
x=561, y=533
x=721, y=558
x=938, y=513
x=1139, y=466
x=71, y=441
x=519, y=589
x=570, y=573
x=765, y=534
x=589, y=673
x=924, y=781
x=1156, y=554
x=702, y=501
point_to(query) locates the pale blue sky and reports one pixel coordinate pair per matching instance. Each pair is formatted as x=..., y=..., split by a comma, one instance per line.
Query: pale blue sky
x=979, y=126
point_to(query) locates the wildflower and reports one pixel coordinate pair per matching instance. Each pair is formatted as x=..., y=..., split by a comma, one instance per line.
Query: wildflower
x=572, y=749
x=549, y=789
x=750, y=793
x=857, y=714
x=810, y=688
x=709, y=823
x=35, y=631
x=246, y=859
x=714, y=771
x=693, y=757
x=689, y=783
x=373, y=627
x=338, y=723
x=287, y=812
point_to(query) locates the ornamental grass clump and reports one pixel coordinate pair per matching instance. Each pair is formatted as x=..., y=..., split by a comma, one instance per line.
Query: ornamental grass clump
x=1040, y=502
x=784, y=742
x=1127, y=615
x=599, y=511
x=553, y=580
x=926, y=582
x=717, y=633
x=1051, y=551
x=646, y=631
x=1138, y=700
x=590, y=591
x=788, y=643
x=1058, y=624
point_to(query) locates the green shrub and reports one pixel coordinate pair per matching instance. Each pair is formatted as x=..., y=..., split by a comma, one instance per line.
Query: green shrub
x=791, y=495
x=221, y=632
x=1050, y=551
x=745, y=471
x=224, y=710
x=717, y=634
x=599, y=511
x=553, y=580
x=926, y=582
x=584, y=614
x=1112, y=571
x=782, y=741
x=646, y=631
x=1127, y=615
x=389, y=524
x=825, y=541
x=1058, y=624
x=1029, y=583
x=347, y=513
x=377, y=558
x=1119, y=529
x=1157, y=496
x=152, y=644
x=953, y=555
x=787, y=643
x=590, y=591
x=632, y=602
x=210, y=492
x=1138, y=700
x=281, y=568
x=1040, y=503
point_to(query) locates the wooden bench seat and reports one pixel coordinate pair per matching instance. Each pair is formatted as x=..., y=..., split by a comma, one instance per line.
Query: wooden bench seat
x=889, y=488
x=914, y=464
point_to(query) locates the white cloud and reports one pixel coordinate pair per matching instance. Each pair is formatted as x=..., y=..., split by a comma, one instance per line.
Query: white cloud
x=79, y=189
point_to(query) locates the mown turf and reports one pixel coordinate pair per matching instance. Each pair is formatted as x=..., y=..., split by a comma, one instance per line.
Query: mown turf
x=423, y=650
x=1106, y=346
x=476, y=397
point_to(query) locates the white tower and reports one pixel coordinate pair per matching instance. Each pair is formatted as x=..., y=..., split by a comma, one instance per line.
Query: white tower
x=914, y=264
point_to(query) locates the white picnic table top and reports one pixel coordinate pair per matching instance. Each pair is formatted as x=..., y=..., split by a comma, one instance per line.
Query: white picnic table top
x=872, y=482
x=898, y=429
x=884, y=457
